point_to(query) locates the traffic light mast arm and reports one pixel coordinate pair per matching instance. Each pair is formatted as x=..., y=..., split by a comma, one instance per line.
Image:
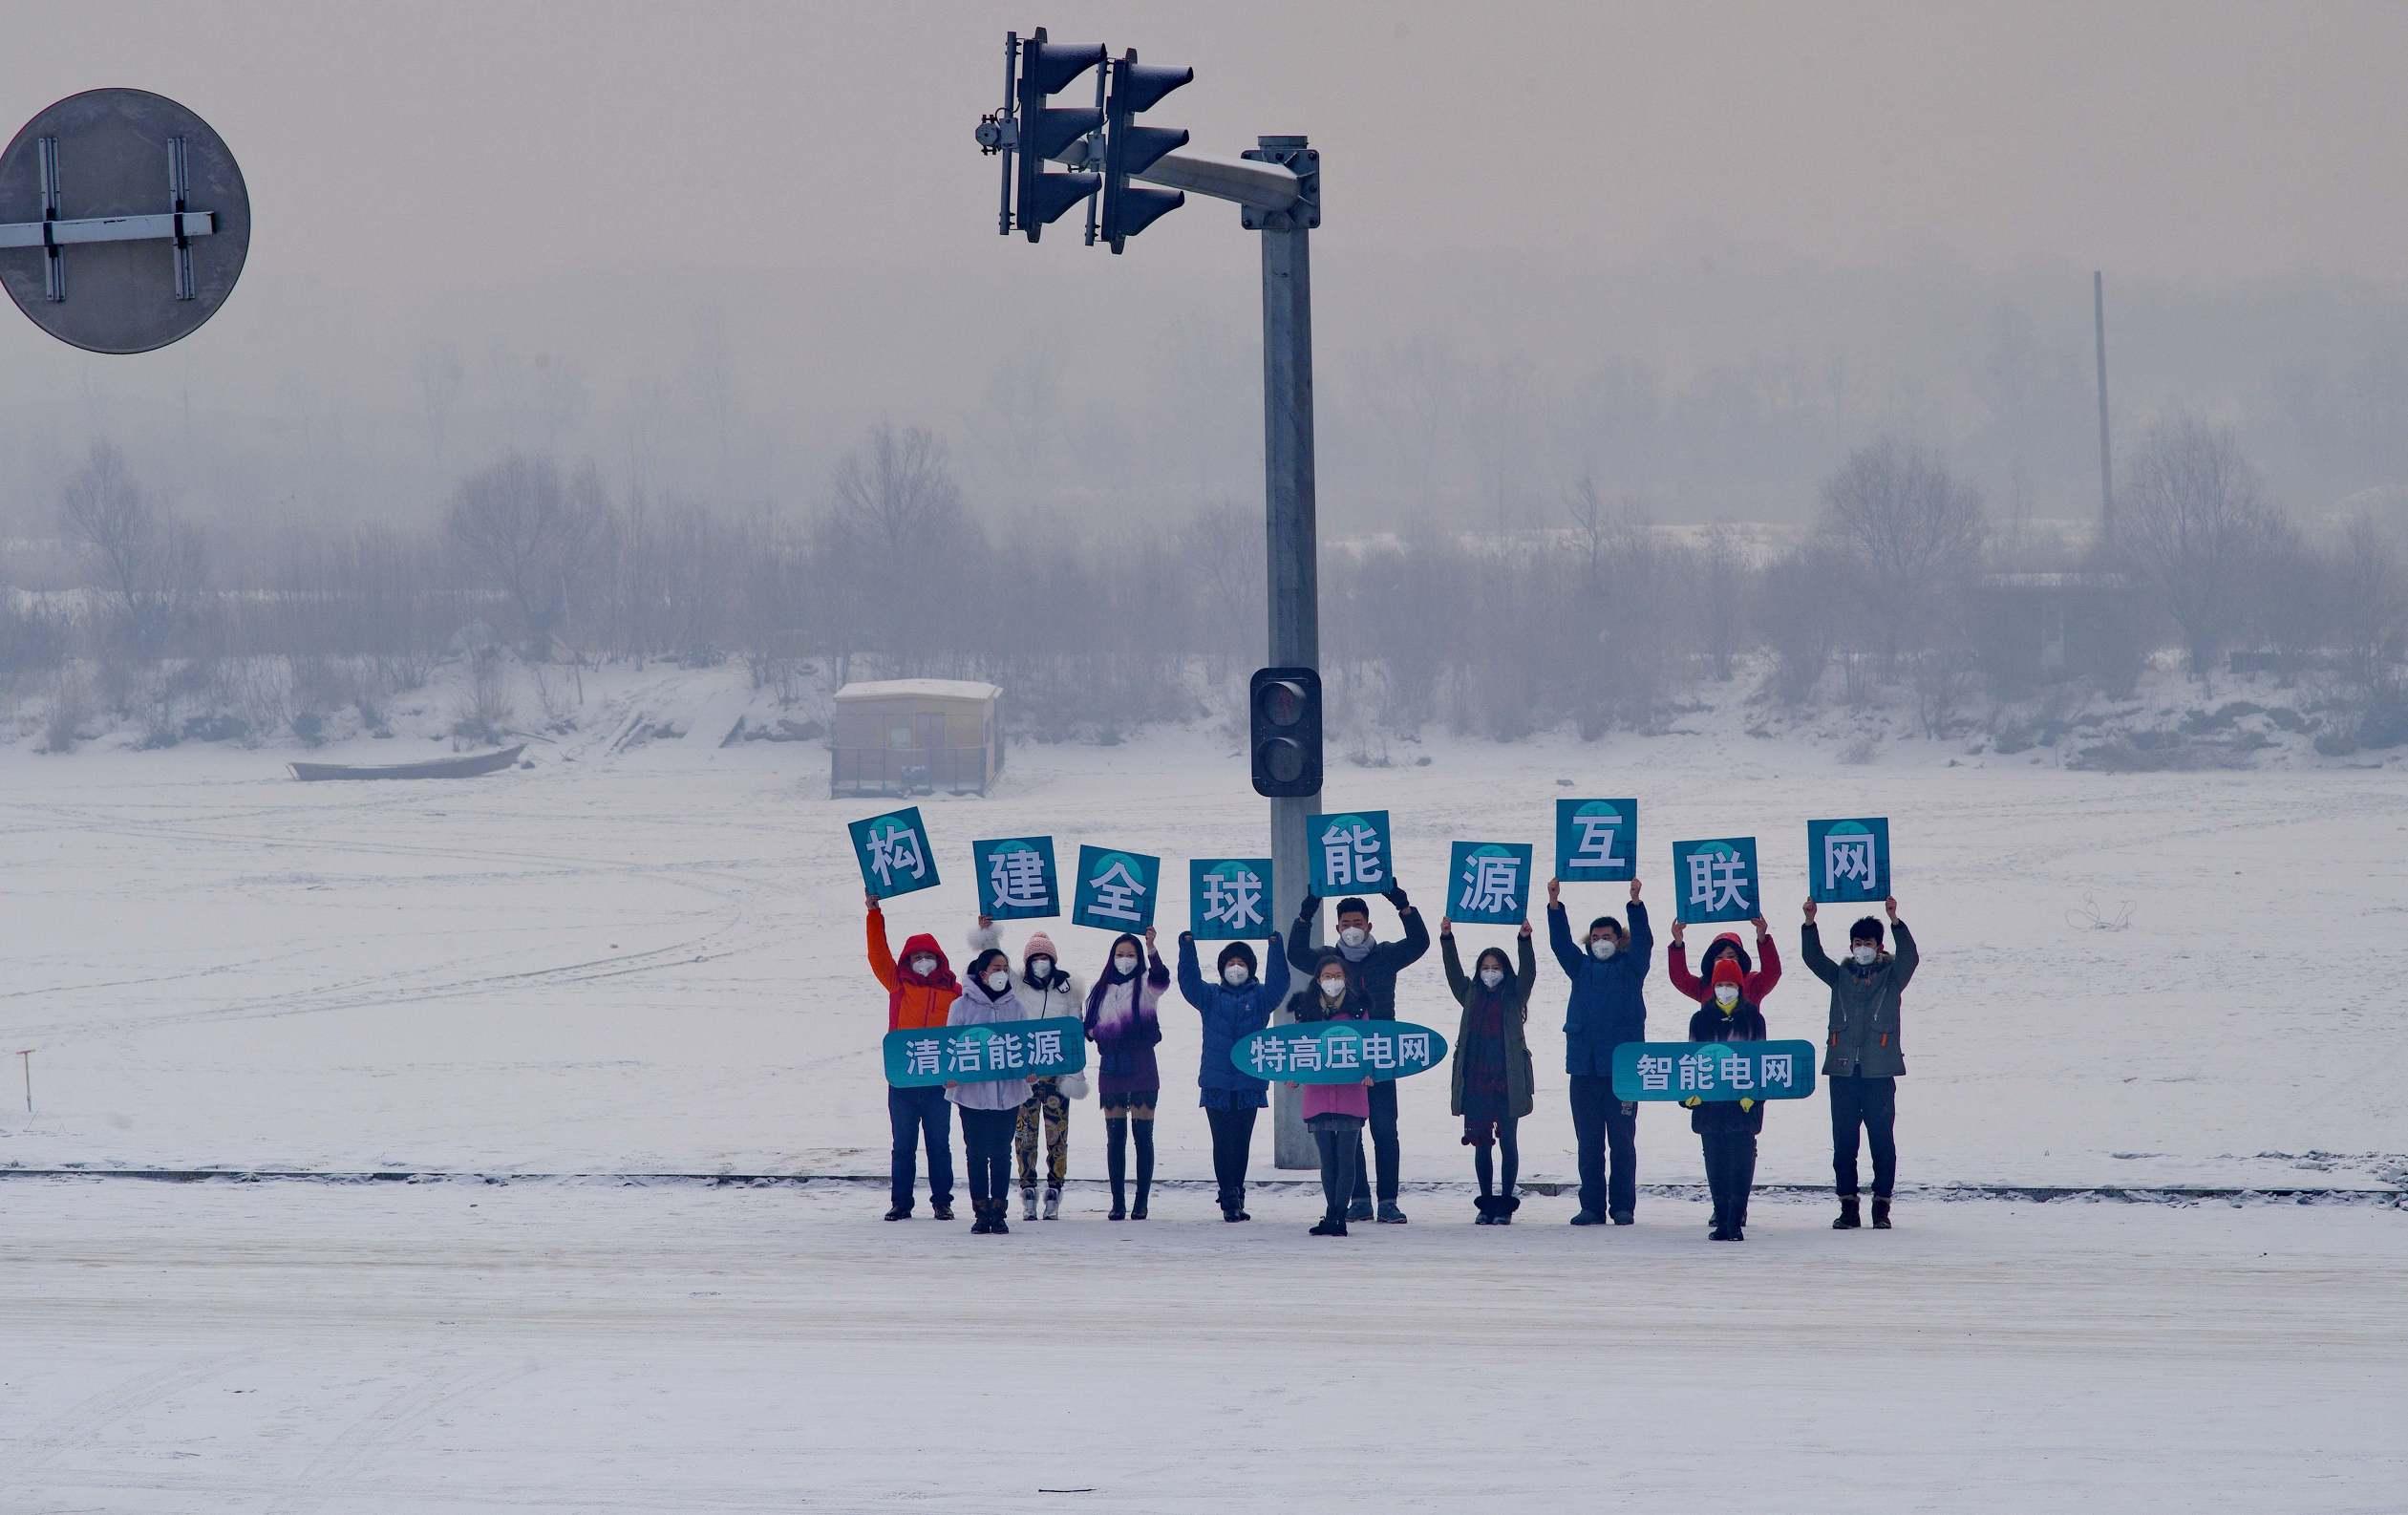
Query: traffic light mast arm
x=1256, y=185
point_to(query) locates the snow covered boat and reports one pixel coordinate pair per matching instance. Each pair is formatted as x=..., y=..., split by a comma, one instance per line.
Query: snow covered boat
x=471, y=766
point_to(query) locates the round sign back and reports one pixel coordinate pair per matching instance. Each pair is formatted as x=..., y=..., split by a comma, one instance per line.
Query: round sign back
x=123, y=221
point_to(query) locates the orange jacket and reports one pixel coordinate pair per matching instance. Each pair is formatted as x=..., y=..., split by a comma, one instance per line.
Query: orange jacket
x=912, y=1002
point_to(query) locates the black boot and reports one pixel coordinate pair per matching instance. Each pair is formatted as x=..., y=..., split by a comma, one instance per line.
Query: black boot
x=1506, y=1204
x=1881, y=1213
x=944, y=1211
x=1116, y=1160
x=1144, y=1132
x=1849, y=1219
x=999, y=1218
x=1487, y=1209
x=978, y=1226
x=1331, y=1226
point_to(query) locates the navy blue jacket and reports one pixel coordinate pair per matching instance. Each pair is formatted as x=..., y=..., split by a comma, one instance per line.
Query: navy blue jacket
x=1607, y=1008
x=1375, y=975
x=1230, y=1016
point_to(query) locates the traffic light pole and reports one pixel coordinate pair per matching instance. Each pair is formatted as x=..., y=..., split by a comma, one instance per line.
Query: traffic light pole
x=1290, y=537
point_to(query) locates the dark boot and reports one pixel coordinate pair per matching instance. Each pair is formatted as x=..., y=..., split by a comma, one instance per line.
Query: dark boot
x=1331, y=1226
x=1390, y=1214
x=1849, y=1219
x=942, y=1212
x=1359, y=1210
x=979, y=1227
x=1487, y=1209
x=999, y=1218
x=1506, y=1204
x=1881, y=1213
x=896, y=1212
x=1116, y=1160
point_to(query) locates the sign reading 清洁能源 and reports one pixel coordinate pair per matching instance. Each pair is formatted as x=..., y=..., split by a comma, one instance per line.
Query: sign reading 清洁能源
x=1008, y=1049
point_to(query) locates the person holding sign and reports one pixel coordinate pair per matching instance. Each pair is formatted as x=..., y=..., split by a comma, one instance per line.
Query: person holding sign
x=1864, y=1061
x=1046, y=990
x=920, y=992
x=1755, y=982
x=1122, y=1022
x=1373, y=965
x=990, y=1107
x=1335, y=1113
x=1727, y=1128
x=1492, y=1063
x=1607, y=1008
x=1234, y=1007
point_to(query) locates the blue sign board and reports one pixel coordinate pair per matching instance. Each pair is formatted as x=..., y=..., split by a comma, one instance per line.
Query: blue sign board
x=1339, y=1052
x=1714, y=1071
x=894, y=853
x=1117, y=890
x=1005, y=1049
x=1348, y=853
x=1015, y=878
x=1488, y=883
x=1228, y=898
x=1596, y=840
x=1847, y=861
x=1716, y=881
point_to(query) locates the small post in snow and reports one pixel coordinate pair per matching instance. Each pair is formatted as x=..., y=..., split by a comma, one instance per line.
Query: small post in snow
x=25, y=1056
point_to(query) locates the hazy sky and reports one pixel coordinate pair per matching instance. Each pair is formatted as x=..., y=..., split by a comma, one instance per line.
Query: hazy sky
x=637, y=187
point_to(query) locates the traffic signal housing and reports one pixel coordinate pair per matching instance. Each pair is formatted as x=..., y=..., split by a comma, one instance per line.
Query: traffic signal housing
x=1129, y=148
x=1047, y=68
x=1285, y=725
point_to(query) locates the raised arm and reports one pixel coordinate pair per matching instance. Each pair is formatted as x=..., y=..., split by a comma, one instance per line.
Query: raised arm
x=1274, y=981
x=882, y=959
x=1767, y=965
x=984, y=934
x=1300, y=934
x=1191, y=982
x=1810, y=947
x=1902, y=961
x=1676, y=970
x=1642, y=936
x=1416, y=940
x=1456, y=983
x=1559, y=936
x=1526, y=965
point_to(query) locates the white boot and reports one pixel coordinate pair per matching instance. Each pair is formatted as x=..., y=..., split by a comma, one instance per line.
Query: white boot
x=1052, y=1203
x=1028, y=1205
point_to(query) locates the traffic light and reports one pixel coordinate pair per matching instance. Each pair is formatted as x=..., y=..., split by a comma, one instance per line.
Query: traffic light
x=1285, y=728
x=1129, y=148
x=1047, y=68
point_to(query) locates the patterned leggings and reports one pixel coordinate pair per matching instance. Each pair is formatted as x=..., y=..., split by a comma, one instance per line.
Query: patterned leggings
x=1045, y=1103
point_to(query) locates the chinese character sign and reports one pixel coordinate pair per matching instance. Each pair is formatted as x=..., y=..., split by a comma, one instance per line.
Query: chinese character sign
x=1116, y=890
x=1348, y=853
x=1715, y=880
x=1596, y=840
x=1488, y=883
x=1005, y=1049
x=1229, y=898
x=1848, y=861
x=894, y=853
x=1339, y=1052
x=1015, y=878
x=1714, y=1071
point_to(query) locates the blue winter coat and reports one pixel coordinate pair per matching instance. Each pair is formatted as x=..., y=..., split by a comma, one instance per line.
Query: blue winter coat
x=1229, y=1017
x=1607, y=1008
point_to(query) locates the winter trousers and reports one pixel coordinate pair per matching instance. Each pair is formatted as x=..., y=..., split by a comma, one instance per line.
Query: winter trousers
x=1730, y=1174
x=1340, y=1139
x=1384, y=1145
x=1117, y=1130
x=987, y=1137
x=1871, y=1104
x=1509, y=1150
x=1045, y=1106
x=1603, y=1124
x=914, y=1114
x=1232, y=1147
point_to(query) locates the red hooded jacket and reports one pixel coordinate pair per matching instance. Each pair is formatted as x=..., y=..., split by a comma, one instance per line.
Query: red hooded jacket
x=1757, y=982
x=912, y=1001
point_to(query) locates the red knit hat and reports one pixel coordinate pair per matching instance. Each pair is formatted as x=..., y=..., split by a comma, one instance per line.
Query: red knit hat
x=1726, y=970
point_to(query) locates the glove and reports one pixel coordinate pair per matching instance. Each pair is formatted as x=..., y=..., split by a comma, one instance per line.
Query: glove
x=1396, y=896
x=1746, y=1104
x=1692, y=1102
x=1309, y=908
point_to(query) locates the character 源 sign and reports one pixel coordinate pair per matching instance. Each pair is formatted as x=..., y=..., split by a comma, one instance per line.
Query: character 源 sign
x=1488, y=883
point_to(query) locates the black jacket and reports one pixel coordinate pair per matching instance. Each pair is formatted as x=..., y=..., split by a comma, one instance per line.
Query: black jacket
x=1375, y=975
x=1743, y=1024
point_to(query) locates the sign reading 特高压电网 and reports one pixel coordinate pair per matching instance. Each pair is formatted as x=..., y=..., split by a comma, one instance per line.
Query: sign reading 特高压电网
x=1714, y=1071
x=1008, y=1049
x=1339, y=1052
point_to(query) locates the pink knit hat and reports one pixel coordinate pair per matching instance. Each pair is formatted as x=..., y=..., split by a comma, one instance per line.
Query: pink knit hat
x=1039, y=945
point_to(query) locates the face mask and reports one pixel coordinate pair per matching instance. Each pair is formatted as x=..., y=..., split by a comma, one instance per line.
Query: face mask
x=923, y=966
x=1332, y=987
x=1864, y=954
x=1726, y=994
x=1355, y=936
x=1041, y=968
x=1126, y=965
x=1492, y=976
x=1235, y=975
x=998, y=981
x=1602, y=947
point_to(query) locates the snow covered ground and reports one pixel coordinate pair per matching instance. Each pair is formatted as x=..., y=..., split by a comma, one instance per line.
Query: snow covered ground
x=449, y=1349
x=647, y=958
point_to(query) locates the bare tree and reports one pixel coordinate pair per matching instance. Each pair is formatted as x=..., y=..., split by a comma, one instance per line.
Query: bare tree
x=1910, y=529
x=2370, y=600
x=148, y=566
x=2193, y=520
x=895, y=509
x=528, y=532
